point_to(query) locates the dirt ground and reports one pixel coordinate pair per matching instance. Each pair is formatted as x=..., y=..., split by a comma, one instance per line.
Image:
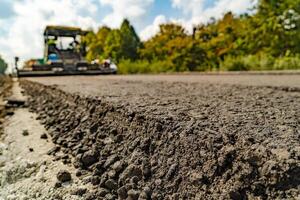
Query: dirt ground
x=176, y=137
x=26, y=170
x=5, y=85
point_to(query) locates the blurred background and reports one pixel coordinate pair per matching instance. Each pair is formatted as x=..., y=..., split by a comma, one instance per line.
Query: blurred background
x=150, y=36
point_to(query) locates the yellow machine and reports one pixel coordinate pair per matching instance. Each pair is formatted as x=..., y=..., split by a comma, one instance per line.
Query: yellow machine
x=64, y=54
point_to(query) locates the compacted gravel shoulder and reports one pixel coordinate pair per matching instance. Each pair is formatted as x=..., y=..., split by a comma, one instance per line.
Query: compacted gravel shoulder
x=176, y=137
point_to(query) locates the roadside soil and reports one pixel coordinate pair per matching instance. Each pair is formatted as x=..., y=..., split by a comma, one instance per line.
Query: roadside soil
x=176, y=137
x=26, y=170
x=5, y=85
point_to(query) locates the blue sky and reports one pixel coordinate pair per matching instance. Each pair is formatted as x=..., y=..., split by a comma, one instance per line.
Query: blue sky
x=22, y=21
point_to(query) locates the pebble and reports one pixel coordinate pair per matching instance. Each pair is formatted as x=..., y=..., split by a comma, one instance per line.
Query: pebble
x=171, y=171
x=25, y=133
x=57, y=184
x=133, y=195
x=44, y=136
x=122, y=192
x=111, y=184
x=131, y=171
x=89, y=158
x=79, y=191
x=64, y=176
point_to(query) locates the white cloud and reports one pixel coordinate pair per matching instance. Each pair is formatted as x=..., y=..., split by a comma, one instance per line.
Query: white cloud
x=193, y=7
x=131, y=9
x=152, y=29
x=196, y=13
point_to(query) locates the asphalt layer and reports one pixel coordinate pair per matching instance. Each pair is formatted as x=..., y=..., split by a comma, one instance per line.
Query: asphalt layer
x=177, y=136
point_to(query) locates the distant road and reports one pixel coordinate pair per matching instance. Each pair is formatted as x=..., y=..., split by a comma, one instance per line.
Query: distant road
x=286, y=80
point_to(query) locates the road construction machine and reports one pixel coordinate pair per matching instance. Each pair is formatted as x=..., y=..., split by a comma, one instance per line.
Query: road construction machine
x=64, y=54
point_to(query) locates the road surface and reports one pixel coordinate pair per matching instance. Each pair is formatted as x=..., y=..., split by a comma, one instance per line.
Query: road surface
x=177, y=136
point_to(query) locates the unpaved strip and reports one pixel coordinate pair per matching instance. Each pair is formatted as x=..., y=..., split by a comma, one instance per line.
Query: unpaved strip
x=5, y=85
x=26, y=171
x=162, y=139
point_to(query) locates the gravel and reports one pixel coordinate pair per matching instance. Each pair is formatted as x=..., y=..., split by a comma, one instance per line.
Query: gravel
x=175, y=139
x=25, y=133
x=44, y=136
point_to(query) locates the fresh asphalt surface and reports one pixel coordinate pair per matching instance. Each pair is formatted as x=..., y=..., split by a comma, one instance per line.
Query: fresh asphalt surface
x=203, y=136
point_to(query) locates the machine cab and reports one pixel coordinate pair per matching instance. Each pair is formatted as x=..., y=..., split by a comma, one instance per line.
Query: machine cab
x=63, y=48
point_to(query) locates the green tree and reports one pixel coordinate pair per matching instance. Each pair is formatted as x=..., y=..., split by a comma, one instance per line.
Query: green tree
x=116, y=44
x=3, y=65
x=186, y=54
x=96, y=43
x=130, y=41
x=174, y=45
x=156, y=48
x=113, y=45
x=270, y=33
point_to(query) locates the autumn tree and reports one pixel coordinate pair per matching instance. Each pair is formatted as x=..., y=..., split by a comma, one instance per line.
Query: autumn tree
x=156, y=48
x=174, y=45
x=96, y=43
x=275, y=27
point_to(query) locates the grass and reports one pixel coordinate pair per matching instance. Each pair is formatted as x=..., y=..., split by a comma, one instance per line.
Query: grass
x=230, y=63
